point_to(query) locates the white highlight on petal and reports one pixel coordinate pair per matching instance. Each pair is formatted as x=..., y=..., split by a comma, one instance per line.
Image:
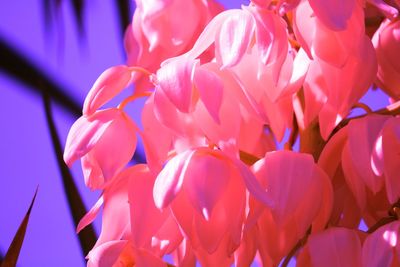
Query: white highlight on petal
x=390, y=237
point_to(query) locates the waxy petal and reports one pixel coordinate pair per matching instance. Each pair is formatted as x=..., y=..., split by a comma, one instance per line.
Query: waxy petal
x=203, y=171
x=90, y=215
x=175, y=79
x=353, y=180
x=170, y=180
x=293, y=182
x=234, y=38
x=115, y=217
x=333, y=13
x=145, y=218
x=113, y=150
x=210, y=88
x=110, y=83
x=362, y=136
x=391, y=157
x=85, y=133
x=386, y=9
x=335, y=247
x=380, y=246
x=107, y=254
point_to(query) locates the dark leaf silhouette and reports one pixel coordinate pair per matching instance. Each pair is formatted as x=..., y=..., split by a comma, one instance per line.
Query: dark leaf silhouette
x=11, y=257
x=124, y=13
x=52, y=9
x=87, y=237
x=16, y=65
x=79, y=6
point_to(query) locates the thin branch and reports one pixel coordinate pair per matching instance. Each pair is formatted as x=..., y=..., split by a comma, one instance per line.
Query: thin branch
x=393, y=215
x=22, y=69
x=363, y=106
x=393, y=109
x=87, y=237
x=380, y=223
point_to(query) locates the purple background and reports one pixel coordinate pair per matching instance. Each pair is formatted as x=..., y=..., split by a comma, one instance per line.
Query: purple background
x=27, y=158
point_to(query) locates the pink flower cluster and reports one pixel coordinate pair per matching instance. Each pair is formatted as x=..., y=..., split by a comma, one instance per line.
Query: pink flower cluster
x=222, y=88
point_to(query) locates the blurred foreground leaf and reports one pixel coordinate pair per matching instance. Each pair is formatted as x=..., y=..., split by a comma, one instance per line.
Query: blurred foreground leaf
x=87, y=237
x=22, y=69
x=11, y=257
x=52, y=11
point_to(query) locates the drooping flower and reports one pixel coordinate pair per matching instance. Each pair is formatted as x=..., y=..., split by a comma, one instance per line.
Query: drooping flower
x=334, y=247
x=303, y=196
x=386, y=41
x=157, y=32
x=381, y=248
x=105, y=142
x=206, y=192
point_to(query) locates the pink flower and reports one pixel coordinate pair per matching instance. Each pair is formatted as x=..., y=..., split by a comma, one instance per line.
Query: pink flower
x=387, y=44
x=206, y=192
x=157, y=32
x=365, y=155
x=110, y=83
x=381, y=248
x=105, y=142
x=132, y=227
x=343, y=68
x=303, y=196
x=334, y=247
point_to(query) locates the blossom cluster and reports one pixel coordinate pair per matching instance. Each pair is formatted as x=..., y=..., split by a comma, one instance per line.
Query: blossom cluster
x=221, y=89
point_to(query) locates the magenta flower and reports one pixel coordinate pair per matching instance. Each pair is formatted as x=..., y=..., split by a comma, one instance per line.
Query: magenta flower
x=222, y=89
x=95, y=138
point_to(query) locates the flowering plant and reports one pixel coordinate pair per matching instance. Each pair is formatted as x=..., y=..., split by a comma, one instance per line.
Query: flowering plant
x=222, y=88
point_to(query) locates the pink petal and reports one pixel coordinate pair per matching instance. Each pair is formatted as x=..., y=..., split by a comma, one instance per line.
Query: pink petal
x=175, y=79
x=227, y=218
x=111, y=153
x=304, y=26
x=387, y=10
x=115, y=219
x=244, y=255
x=210, y=88
x=110, y=83
x=379, y=247
x=144, y=258
x=107, y=254
x=271, y=35
x=362, y=136
x=335, y=247
x=206, y=38
x=234, y=38
x=293, y=182
x=333, y=13
x=170, y=180
x=331, y=155
x=90, y=215
x=156, y=146
x=145, y=218
x=86, y=132
x=353, y=180
x=202, y=171
x=391, y=156
x=253, y=186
